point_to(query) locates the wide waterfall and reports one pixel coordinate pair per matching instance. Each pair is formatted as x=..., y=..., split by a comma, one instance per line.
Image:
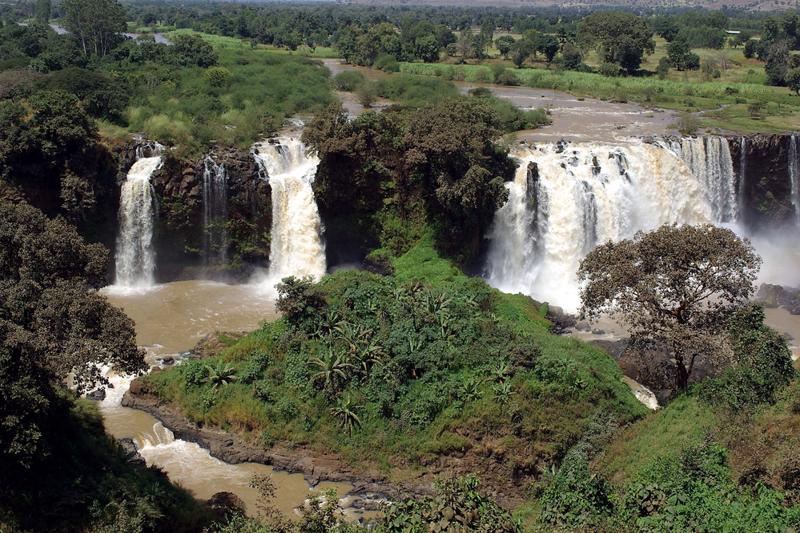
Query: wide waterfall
x=215, y=212
x=709, y=159
x=794, y=177
x=135, y=255
x=567, y=198
x=296, y=248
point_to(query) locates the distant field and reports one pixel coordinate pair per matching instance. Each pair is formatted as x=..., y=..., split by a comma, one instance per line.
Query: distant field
x=223, y=42
x=738, y=100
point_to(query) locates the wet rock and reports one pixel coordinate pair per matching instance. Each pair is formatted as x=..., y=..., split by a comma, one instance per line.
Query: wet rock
x=561, y=321
x=767, y=187
x=767, y=295
x=137, y=387
x=97, y=395
x=168, y=361
x=226, y=504
x=131, y=452
x=212, y=344
x=598, y=331
x=778, y=296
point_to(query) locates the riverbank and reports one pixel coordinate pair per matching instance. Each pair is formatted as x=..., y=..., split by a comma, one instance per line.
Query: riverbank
x=234, y=449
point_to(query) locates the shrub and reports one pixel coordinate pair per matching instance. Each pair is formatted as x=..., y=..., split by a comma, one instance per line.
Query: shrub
x=218, y=76
x=609, y=69
x=687, y=124
x=763, y=364
x=575, y=498
x=348, y=80
x=386, y=63
x=507, y=77
x=367, y=93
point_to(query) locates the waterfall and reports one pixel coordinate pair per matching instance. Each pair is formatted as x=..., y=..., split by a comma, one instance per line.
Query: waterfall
x=709, y=159
x=215, y=212
x=566, y=199
x=296, y=248
x=794, y=178
x=135, y=256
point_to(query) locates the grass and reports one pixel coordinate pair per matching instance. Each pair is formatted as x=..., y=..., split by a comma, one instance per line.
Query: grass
x=221, y=41
x=264, y=88
x=683, y=423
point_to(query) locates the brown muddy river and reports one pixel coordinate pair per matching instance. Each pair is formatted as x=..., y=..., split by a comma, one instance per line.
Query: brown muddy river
x=171, y=318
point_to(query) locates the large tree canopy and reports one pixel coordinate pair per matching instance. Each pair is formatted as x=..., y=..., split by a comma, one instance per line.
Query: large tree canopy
x=674, y=287
x=620, y=37
x=53, y=325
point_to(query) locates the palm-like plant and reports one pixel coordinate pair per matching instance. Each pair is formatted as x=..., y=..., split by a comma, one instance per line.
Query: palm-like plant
x=370, y=355
x=332, y=370
x=470, y=390
x=501, y=372
x=502, y=391
x=219, y=374
x=344, y=411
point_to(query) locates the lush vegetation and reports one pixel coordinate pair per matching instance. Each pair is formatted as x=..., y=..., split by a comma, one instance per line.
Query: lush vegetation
x=395, y=372
x=52, y=324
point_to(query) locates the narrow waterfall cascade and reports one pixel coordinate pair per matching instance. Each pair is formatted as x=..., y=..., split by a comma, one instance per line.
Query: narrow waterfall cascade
x=215, y=212
x=794, y=177
x=567, y=198
x=135, y=255
x=297, y=248
x=709, y=159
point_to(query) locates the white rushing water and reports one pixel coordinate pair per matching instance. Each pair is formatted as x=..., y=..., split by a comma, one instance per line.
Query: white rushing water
x=215, y=212
x=794, y=177
x=297, y=248
x=576, y=196
x=709, y=160
x=135, y=255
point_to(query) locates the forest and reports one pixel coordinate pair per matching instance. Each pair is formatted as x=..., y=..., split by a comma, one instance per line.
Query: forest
x=383, y=154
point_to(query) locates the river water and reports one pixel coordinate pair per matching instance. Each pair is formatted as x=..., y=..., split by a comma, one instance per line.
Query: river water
x=170, y=319
x=574, y=118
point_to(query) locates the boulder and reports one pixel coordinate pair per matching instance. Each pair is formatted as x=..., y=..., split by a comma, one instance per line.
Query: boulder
x=97, y=395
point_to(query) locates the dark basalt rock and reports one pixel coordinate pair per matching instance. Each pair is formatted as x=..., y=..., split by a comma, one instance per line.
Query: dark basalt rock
x=179, y=238
x=97, y=395
x=131, y=452
x=777, y=296
x=767, y=186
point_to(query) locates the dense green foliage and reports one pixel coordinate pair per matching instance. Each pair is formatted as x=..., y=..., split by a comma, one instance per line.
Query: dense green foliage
x=52, y=324
x=402, y=370
x=672, y=471
x=622, y=38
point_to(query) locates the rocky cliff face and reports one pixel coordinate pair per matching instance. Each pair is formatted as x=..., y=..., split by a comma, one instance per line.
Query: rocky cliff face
x=764, y=163
x=181, y=232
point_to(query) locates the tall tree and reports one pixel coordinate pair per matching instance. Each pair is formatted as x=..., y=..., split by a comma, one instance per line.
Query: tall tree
x=96, y=23
x=43, y=11
x=675, y=288
x=52, y=325
x=620, y=37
